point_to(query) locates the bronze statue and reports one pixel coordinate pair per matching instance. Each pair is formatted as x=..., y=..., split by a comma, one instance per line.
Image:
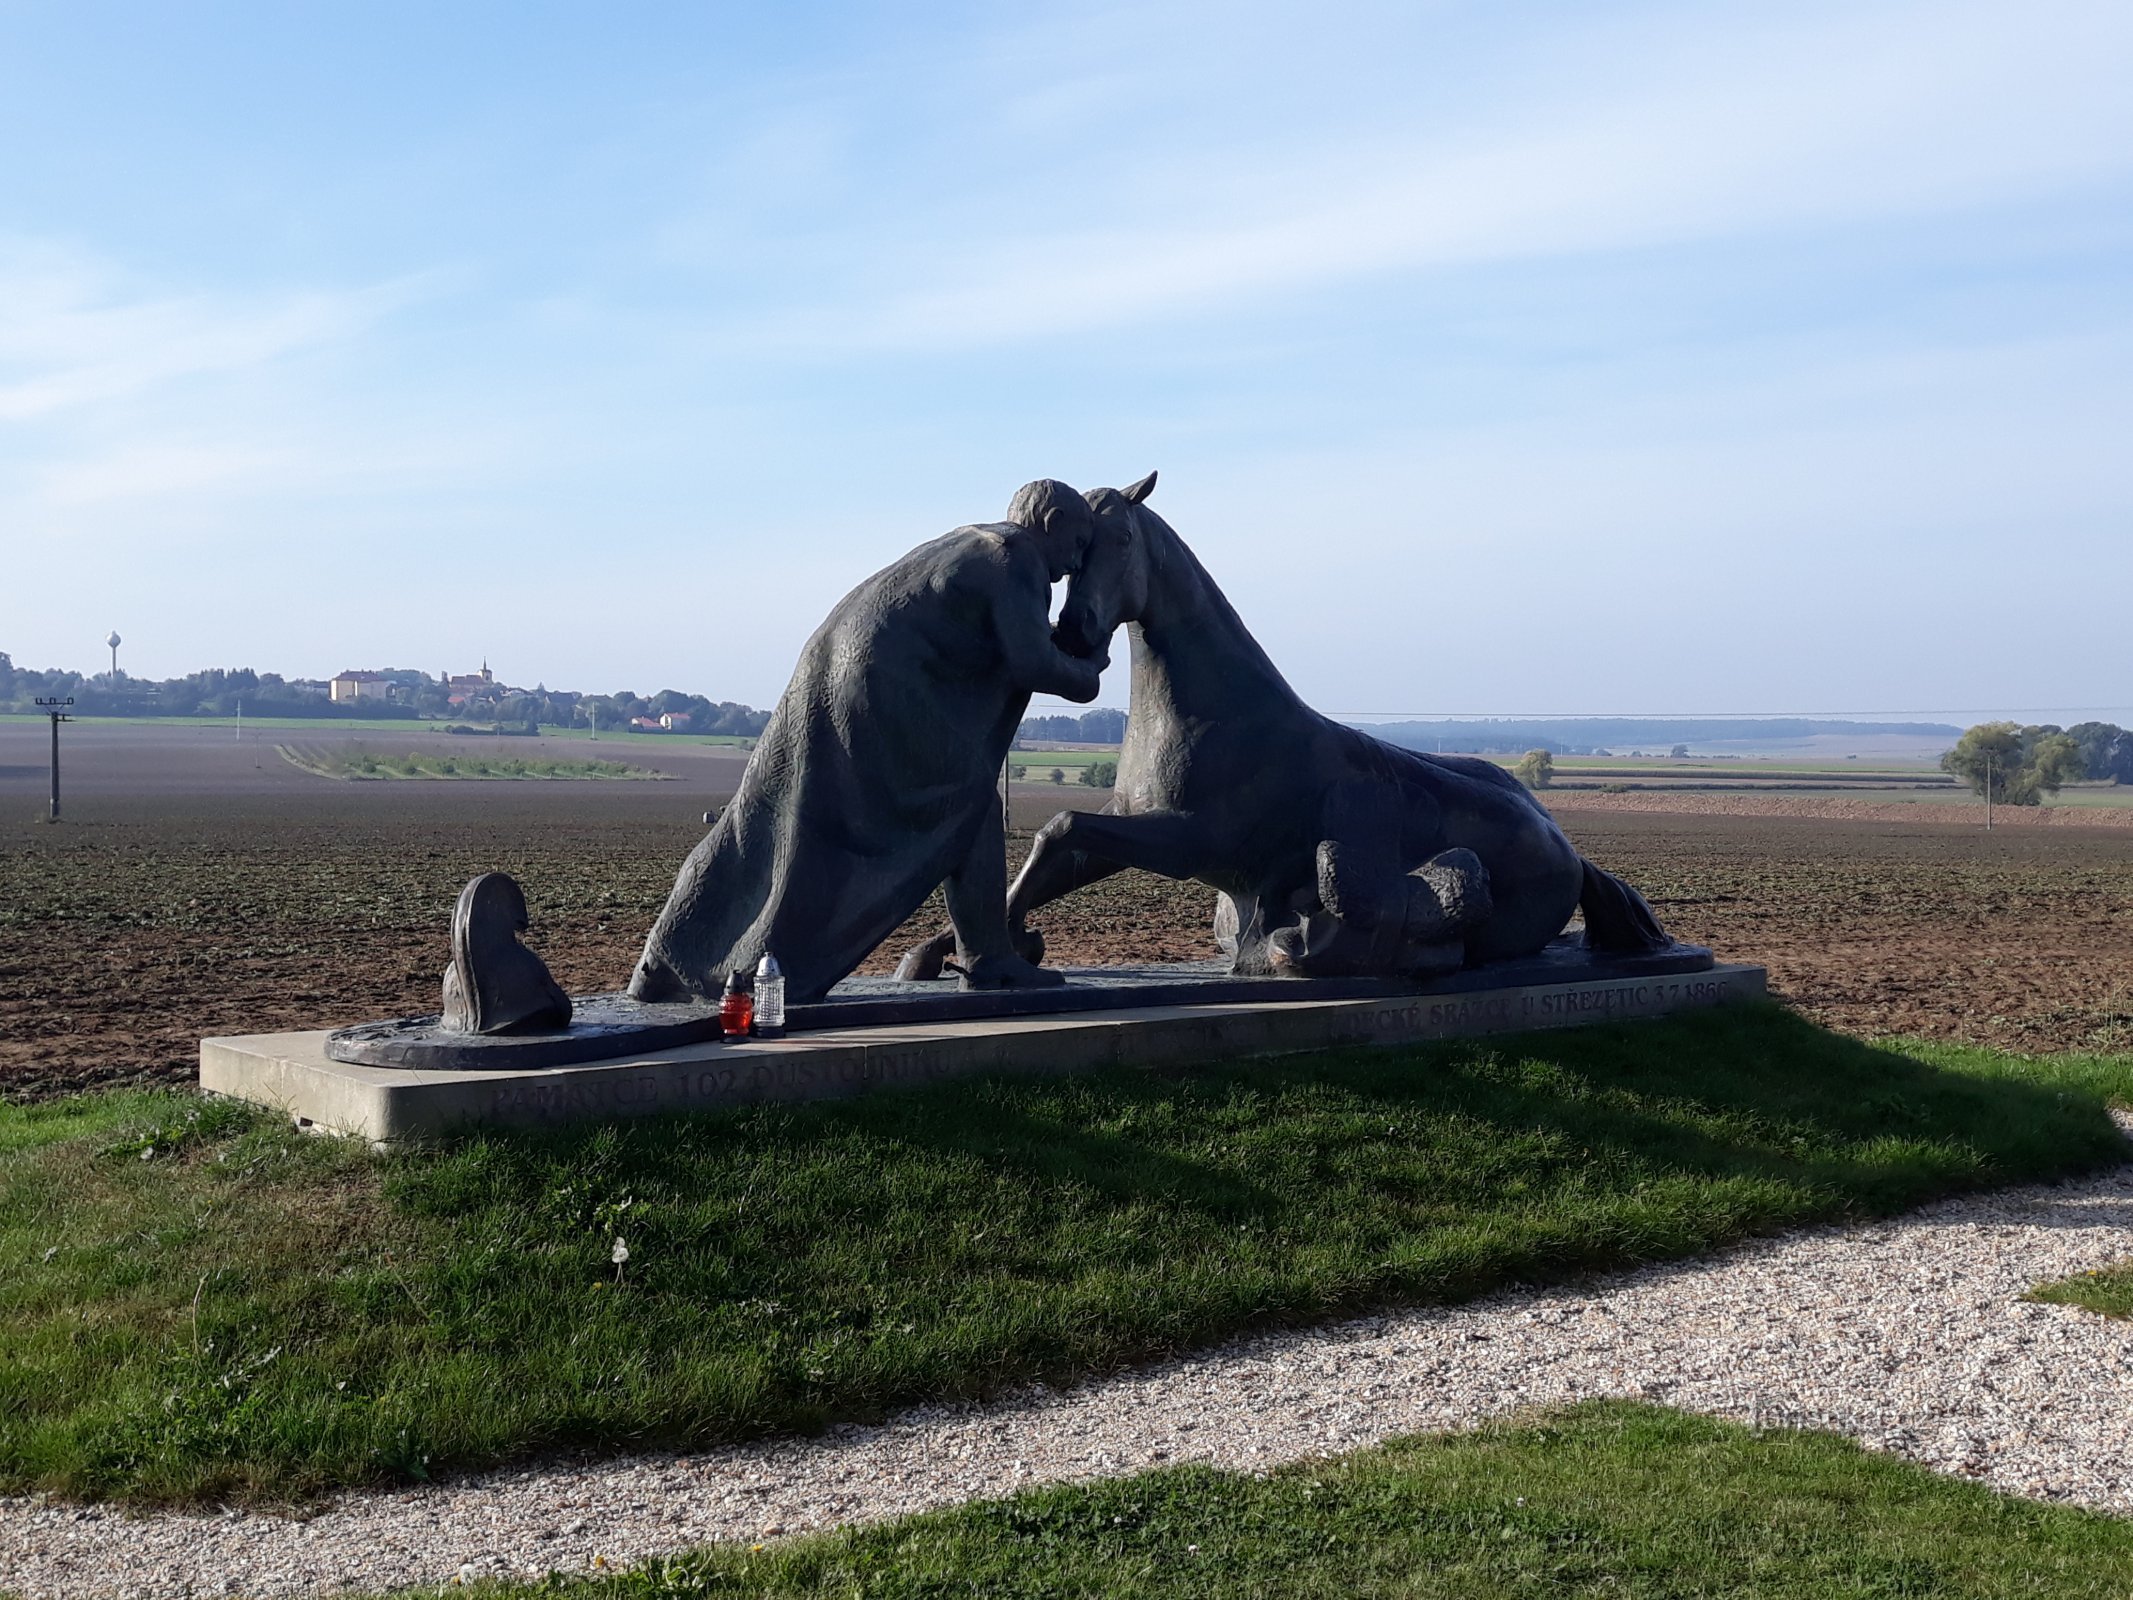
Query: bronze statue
x=874, y=782
x=495, y=984
x=1335, y=857
x=1334, y=853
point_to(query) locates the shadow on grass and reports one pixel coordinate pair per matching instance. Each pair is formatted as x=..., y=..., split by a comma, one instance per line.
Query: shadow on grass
x=1754, y=1092
x=787, y=1265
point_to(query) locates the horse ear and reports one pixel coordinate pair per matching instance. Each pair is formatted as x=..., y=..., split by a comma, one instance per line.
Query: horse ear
x=1135, y=493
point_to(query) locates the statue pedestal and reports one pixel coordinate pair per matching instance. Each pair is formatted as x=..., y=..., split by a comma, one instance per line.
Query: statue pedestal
x=604, y=1027
x=1150, y=1017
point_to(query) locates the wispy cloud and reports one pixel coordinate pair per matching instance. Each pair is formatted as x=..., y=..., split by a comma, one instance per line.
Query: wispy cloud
x=164, y=469
x=75, y=333
x=1689, y=127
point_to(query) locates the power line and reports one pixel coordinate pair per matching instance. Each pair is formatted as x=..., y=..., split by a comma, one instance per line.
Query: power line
x=1716, y=716
x=1071, y=709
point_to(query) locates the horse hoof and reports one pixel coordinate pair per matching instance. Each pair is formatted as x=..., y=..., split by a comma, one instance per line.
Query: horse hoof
x=1285, y=952
x=923, y=962
x=1010, y=972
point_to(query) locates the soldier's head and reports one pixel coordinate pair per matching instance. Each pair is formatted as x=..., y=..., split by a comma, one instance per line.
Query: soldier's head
x=1060, y=519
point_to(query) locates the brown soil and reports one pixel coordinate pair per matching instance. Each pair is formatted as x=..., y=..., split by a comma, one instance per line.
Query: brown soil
x=146, y=921
x=2017, y=938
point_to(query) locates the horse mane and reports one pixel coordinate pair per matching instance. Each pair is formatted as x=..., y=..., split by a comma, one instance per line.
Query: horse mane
x=1170, y=557
x=1174, y=560
x=1174, y=566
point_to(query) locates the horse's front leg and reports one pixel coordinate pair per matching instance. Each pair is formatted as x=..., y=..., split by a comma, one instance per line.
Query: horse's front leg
x=1072, y=851
x=1078, y=848
x=1048, y=874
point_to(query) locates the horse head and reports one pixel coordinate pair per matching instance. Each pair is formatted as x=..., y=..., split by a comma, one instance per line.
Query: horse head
x=1111, y=586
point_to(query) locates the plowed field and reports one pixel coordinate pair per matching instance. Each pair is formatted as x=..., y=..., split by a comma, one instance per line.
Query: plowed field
x=142, y=923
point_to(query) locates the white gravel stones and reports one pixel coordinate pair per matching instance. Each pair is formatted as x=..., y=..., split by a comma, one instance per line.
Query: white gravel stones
x=1909, y=1335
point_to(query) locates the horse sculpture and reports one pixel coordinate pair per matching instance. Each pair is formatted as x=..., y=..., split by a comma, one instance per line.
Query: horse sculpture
x=1333, y=853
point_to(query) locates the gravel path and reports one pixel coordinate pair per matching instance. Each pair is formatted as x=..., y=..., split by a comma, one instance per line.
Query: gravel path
x=1908, y=1335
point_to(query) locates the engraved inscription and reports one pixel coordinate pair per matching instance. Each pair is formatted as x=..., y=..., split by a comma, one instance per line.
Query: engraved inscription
x=1541, y=1008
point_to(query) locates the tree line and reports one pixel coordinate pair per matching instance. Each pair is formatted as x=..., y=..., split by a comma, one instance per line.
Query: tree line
x=1599, y=736
x=1091, y=727
x=2016, y=765
x=2019, y=766
x=214, y=692
x=220, y=692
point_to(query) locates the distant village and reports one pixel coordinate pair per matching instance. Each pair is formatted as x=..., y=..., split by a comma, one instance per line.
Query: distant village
x=480, y=694
x=391, y=693
x=477, y=701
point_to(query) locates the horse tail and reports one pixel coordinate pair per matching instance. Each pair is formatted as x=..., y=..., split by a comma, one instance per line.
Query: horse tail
x=1617, y=920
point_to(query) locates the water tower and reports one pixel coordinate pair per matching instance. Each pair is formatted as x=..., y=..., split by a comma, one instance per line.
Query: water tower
x=113, y=641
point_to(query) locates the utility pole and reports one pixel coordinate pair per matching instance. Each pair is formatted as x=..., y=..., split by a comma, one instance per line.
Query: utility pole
x=1988, y=791
x=56, y=709
x=240, y=719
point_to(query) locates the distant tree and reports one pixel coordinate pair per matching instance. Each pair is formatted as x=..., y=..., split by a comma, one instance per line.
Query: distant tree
x=1535, y=769
x=2056, y=760
x=1680, y=752
x=1100, y=774
x=1059, y=775
x=2016, y=766
x=1100, y=726
x=2106, y=751
x=1016, y=772
x=736, y=719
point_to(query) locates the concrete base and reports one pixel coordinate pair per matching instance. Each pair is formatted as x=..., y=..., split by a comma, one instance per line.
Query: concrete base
x=613, y=1027
x=291, y=1071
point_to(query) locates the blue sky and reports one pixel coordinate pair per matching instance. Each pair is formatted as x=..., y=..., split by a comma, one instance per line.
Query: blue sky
x=1496, y=358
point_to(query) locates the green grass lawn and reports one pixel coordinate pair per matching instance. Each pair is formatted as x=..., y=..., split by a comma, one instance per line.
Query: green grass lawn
x=2098, y=796
x=634, y=735
x=2108, y=1292
x=356, y=762
x=1600, y=1500
x=1072, y=766
x=196, y=1302
x=1040, y=762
